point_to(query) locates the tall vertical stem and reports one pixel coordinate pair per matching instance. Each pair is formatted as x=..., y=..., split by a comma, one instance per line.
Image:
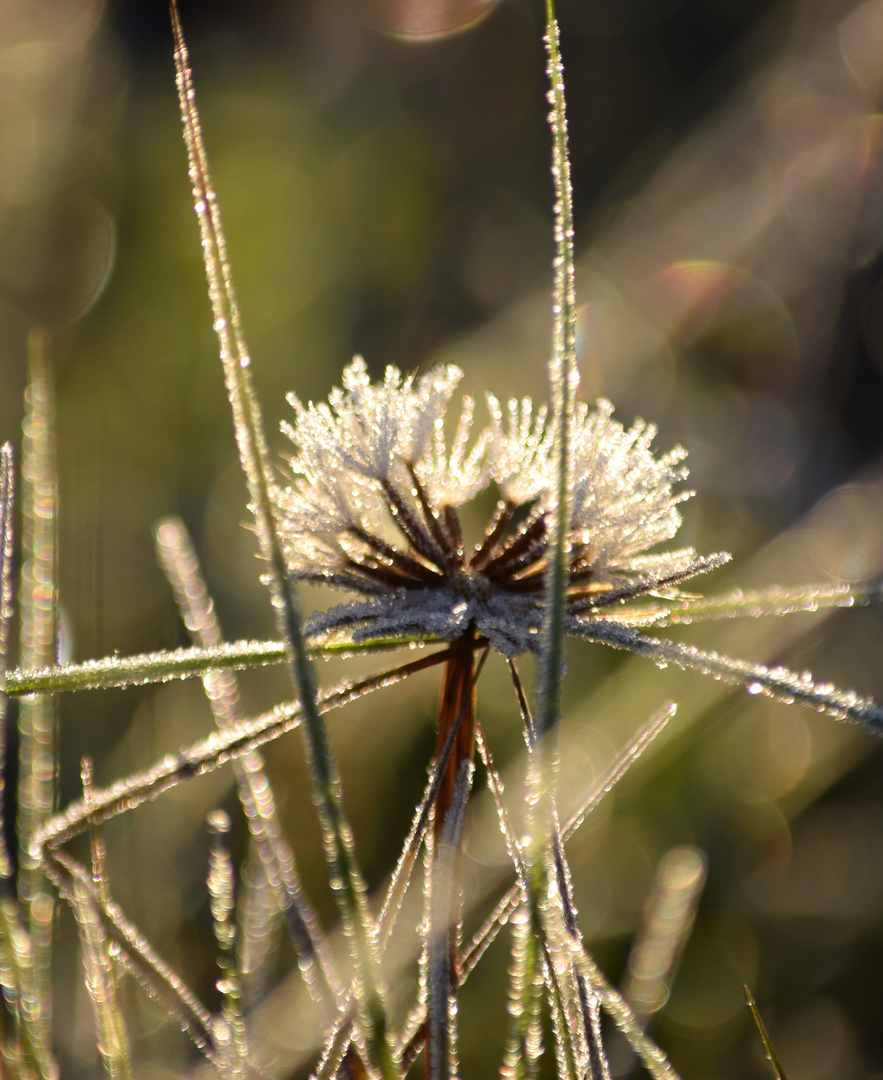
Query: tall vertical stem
x=456, y=708
x=346, y=878
x=39, y=638
x=457, y=697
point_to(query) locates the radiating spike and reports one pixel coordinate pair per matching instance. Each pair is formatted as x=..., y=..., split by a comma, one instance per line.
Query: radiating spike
x=776, y=682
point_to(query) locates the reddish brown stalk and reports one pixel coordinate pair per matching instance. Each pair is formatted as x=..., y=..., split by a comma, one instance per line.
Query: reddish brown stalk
x=457, y=696
x=456, y=719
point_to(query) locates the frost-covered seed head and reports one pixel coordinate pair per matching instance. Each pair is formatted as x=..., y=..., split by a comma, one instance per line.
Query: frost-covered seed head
x=371, y=507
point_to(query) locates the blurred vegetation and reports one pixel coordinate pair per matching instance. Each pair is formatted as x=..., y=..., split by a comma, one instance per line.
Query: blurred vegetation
x=385, y=190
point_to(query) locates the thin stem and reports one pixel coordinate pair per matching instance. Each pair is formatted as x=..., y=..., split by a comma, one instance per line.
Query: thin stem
x=7, y=503
x=171, y=664
x=563, y=379
x=346, y=880
x=773, y=601
x=771, y=1054
x=39, y=647
x=444, y=918
x=522, y=1052
x=16, y=957
x=456, y=708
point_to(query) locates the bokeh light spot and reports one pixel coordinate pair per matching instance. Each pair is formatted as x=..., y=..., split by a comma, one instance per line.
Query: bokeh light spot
x=418, y=21
x=846, y=535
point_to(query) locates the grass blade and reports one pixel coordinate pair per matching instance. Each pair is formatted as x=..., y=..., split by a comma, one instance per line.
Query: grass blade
x=764, y=1036
x=522, y=1048
x=144, y=668
x=563, y=380
x=26, y=1050
x=345, y=877
x=113, y=1042
x=778, y=682
x=38, y=597
x=7, y=503
x=230, y=1037
x=753, y=603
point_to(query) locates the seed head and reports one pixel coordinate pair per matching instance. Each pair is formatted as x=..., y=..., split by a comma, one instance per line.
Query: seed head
x=375, y=487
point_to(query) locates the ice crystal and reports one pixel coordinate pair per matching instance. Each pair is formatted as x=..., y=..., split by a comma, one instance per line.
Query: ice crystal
x=374, y=492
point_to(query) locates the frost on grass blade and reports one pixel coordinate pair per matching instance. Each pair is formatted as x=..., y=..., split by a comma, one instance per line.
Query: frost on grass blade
x=101, y=983
x=39, y=648
x=776, y=682
x=145, y=668
x=7, y=481
x=349, y=890
x=134, y=953
x=229, y=1027
x=754, y=603
x=25, y=1043
x=140, y=670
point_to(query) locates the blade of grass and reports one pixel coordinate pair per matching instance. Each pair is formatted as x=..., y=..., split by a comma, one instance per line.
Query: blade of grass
x=130, y=948
x=740, y=603
x=112, y=1039
x=25, y=1051
x=668, y=919
x=39, y=645
x=522, y=1050
x=563, y=380
x=101, y=975
x=230, y=1031
x=764, y=1036
x=777, y=682
x=144, y=668
x=346, y=880
x=7, y=502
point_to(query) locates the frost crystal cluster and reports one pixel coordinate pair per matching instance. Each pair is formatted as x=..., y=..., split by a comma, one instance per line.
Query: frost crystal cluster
x=375, y=488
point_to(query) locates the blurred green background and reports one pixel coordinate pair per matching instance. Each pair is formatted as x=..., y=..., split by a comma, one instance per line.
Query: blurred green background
x=382, y=169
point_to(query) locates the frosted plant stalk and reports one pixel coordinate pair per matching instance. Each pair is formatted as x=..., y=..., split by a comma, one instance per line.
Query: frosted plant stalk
x=39, y=648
